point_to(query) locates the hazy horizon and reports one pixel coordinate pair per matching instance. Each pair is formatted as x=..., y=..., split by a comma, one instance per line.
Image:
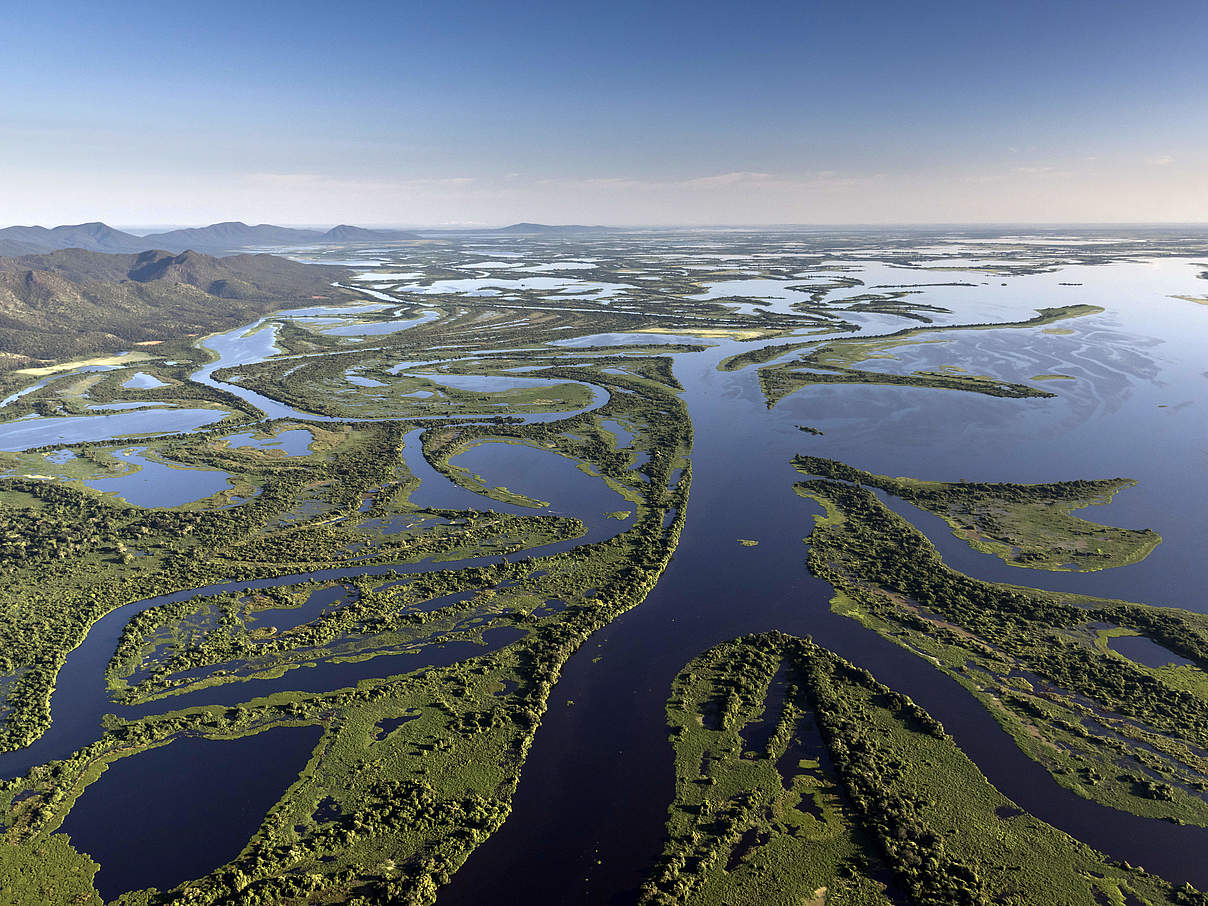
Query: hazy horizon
x=972, y=226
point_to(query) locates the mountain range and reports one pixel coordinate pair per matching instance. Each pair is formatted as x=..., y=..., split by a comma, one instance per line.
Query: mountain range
x=232, y=236
x=545, y=229
x=72, y=302
x=218, y=237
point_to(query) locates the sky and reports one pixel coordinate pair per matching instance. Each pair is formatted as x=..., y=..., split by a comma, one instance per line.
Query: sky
x=661, y=112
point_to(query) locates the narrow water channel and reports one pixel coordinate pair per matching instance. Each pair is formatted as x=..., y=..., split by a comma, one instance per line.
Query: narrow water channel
x=81, y=697
x=587, y=821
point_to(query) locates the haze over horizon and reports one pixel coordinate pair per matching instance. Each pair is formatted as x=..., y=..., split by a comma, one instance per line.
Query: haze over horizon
x=473, y=113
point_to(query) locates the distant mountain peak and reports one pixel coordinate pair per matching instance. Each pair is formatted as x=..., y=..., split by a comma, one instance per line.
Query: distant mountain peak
x=526, y=228
x=347, y=233
x=227, y=236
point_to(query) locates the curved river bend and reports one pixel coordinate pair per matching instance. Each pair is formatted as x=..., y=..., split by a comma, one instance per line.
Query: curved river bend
x=587, y=820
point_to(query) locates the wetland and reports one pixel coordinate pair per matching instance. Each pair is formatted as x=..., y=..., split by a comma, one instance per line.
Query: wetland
x=377, y=600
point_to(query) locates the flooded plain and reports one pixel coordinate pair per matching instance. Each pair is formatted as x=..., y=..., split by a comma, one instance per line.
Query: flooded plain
x=1129, y=392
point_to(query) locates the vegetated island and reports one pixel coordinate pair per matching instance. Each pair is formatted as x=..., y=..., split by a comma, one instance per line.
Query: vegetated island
x=1112, y=729
x=800, y=779
x=832, y=363
x=1022, y=524
x=417, y=763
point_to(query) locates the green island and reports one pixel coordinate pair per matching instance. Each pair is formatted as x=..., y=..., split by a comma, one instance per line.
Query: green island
x=1022, y=524
x=387, y=808
x=800, y=779
x=304, y=531
x=1107, y=727
x=833, y=361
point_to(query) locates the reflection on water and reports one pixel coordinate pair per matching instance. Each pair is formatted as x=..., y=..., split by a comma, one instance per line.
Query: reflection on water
x=294, y=442
x=153, y=483
x=742, y=488
x=1145, y=651
x=1133, y=409
x=541, y=475
x=140, y=380
x=40, y=431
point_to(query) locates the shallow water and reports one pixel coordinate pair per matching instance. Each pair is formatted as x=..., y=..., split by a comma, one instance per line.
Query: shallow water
x=294, y=442
x=716, y=590
x=154, y=483
x=496, y=286
x=140, y=380
x=81, y=698
x=1145, y=651
x=39, y=431
x=1134, y=410
x=541, y=475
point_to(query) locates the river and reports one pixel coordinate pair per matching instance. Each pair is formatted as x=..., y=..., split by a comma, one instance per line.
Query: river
x=587, y=819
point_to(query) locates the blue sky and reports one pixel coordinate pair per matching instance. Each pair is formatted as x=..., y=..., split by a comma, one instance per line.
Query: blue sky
x=620, y=112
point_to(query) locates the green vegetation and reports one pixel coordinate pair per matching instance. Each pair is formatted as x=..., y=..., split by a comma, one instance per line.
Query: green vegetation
x=48, y=872
x=74, y=303
x=1022, y=524
x=763, y=354
x=832, y=363
x=759, y=815
x=71, y=555
x=417, y=764
x=801, y=779
x=1110, y=729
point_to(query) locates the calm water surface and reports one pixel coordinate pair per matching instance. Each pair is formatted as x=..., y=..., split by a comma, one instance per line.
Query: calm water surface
x=587, y=820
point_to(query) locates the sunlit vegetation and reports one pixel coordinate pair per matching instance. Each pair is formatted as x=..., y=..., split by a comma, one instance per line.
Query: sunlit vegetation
x=380, y=814
x=388, y=814
x=1107, y=727
x=73, y=302
x=834, y=361
x=1022, y=524
x=48, y=872
x=426, y=656
x=801, y=779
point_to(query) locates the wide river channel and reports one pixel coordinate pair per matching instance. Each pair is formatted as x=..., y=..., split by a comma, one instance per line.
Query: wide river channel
x=588, y=818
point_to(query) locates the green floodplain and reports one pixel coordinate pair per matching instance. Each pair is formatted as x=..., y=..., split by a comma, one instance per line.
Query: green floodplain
x=801, y=779
x=798, y=778
x=1109, y=728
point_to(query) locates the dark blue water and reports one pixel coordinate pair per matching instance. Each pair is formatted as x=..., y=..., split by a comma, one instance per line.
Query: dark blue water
x=1145, y=651
x=323, y=676
x=81, y=698
x=177, y=812
x=587, y=820
x=540, y=475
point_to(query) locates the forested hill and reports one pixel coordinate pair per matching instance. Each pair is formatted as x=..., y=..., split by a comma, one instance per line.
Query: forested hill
x=217, y=237
x=73, y=302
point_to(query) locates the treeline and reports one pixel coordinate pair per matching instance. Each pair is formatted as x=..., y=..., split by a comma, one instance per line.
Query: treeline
x=878, y=561
x=778, y=381
x=899, y=813
x=1029, y=524
x=823, y=364
x=936, y=496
